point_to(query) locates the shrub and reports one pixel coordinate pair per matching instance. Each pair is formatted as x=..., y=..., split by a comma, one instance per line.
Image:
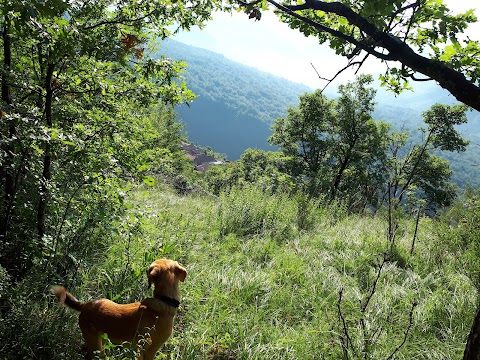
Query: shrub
x=250, y=211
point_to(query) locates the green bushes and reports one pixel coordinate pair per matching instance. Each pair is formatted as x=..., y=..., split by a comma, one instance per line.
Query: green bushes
x=459, y=232
x=250, y=210
x=31, y=327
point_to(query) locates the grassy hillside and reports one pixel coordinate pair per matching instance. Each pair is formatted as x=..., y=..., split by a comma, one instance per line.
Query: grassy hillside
x=269, y=277
x=265, y=274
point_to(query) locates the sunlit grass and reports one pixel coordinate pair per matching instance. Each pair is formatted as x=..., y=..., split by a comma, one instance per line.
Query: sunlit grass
x=260, y=287
x=265, y=273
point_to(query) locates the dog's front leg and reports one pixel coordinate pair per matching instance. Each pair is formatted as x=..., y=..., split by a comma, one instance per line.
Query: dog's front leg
x=150, y=351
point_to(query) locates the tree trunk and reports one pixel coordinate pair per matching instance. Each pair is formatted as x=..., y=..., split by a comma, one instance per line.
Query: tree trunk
x=472, y=348
x=339, y=175
x=6, y=168
x=47, y=159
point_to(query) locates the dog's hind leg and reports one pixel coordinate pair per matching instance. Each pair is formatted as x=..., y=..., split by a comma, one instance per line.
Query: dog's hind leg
x=93, y=339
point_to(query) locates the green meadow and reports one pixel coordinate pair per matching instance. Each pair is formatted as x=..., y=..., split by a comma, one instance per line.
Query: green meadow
x=269, y=277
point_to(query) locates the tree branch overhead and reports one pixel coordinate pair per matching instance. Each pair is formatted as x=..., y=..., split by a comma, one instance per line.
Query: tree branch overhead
x=391, y=36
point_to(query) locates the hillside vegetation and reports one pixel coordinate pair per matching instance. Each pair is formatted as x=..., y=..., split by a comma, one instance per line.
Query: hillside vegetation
x=269, y=277
x=349, y=242
x=237, y=105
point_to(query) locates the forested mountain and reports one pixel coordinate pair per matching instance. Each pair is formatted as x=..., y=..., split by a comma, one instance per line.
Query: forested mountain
x=405, y=110
x=237, y=104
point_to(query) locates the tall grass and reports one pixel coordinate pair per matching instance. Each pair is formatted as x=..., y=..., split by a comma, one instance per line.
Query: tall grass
x=270, y=277
x=250, y=210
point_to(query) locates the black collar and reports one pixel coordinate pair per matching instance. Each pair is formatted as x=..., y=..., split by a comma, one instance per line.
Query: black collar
x=170, y=301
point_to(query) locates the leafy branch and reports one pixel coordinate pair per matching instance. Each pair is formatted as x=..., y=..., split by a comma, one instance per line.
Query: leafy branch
x=450, y=76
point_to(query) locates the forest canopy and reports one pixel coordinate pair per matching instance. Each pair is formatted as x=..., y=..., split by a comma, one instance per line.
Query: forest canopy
x=74, y=78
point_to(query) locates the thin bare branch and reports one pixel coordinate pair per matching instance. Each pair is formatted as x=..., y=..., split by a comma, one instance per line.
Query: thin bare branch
x=360, y=64
x=416, y=4
x=246, y=4
x=410, y=23
x=119, y=21
x=374, y=287
x=411, y=75
x=417, y=220
x=407, y=330
x=345, y=327
x=349, y=65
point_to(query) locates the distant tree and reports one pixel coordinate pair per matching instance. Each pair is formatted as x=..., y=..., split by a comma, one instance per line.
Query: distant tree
x=303, y=136
x=221, y=178
x=411, y=37
x=267, y=169
x=337, y=145
x=418, y=170
x=340, y=150
x=360, y=141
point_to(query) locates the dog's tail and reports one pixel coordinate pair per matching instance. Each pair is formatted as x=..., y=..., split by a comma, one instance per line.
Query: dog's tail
x=65, y=298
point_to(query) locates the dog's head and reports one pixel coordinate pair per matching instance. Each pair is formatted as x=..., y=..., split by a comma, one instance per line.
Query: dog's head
x=165, y=270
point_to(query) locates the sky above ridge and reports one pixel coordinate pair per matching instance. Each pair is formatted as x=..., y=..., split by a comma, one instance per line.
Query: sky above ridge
x=272, y=46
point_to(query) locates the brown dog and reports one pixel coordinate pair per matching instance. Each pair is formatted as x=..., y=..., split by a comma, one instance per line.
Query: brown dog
x=151, y=319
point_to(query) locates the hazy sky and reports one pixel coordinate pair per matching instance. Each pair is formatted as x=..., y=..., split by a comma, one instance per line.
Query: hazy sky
x=272, y=46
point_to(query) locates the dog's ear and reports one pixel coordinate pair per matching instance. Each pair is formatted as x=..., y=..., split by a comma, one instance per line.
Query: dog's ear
x=180, y=272
x=151, y=272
